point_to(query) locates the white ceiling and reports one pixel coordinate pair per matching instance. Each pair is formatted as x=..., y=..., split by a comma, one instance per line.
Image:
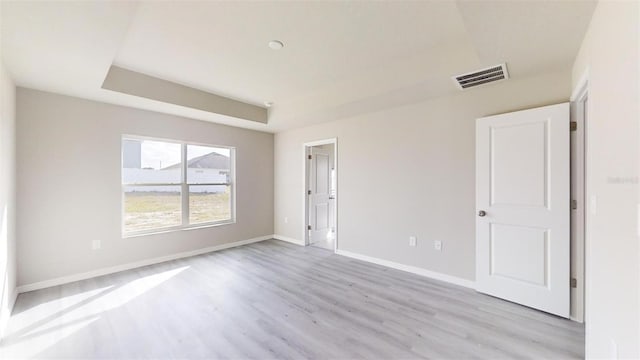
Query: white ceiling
x=339, y=59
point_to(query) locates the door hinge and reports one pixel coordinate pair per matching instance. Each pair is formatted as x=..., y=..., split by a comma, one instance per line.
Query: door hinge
x=574, y=204
x=573, y=126
x=308, y=227
x=308, y=192
x=574, y=283
x=309, y=157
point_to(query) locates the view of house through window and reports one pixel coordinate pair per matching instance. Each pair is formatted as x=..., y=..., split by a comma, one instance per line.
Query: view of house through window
x=173, y=185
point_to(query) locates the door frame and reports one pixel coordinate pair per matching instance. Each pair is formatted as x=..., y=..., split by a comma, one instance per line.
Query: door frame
x=306, y=147
x=578, y=111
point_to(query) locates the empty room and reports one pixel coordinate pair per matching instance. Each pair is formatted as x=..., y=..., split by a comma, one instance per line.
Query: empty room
x=201, y=179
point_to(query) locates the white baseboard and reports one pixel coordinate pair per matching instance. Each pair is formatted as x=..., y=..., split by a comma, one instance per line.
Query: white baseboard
x=412, y=269
x=290, y=240
x=137, y=264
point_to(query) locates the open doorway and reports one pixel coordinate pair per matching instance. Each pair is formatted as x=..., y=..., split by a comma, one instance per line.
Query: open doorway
x=320, y=204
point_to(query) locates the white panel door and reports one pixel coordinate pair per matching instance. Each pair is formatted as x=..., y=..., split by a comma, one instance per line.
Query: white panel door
x=523, y=207
x=320, y=196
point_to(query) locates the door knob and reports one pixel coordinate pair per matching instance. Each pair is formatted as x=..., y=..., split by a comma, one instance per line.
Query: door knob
x=482, y=213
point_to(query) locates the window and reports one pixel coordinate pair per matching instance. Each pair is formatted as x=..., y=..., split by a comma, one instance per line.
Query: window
x=171, y=185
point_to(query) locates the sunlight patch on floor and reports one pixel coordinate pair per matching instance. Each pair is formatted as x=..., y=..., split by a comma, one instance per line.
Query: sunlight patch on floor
x=44, y=325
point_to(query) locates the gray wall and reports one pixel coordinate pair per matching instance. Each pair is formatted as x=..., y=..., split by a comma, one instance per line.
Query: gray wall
x=7, y=197
x=69, y=193
x=407, y=171
x=610, y=54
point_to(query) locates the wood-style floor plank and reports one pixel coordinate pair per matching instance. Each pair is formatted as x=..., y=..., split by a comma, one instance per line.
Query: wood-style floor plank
x=277, y=300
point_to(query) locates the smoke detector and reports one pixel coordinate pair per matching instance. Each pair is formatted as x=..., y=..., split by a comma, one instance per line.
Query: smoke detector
x=482, y=76
x=276, y=44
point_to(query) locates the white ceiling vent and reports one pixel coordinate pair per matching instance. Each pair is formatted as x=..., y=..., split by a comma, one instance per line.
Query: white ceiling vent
x=482, y=76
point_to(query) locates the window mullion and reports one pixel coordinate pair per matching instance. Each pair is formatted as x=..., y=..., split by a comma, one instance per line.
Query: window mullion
x=185, y=187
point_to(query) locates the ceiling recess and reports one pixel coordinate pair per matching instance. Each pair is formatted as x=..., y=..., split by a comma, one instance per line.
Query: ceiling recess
x=482, y=76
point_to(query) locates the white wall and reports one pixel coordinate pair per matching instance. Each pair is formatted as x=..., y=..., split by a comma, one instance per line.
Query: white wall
x=69, y=193
x=610, y=53
x=7, y=197
x=426, y=151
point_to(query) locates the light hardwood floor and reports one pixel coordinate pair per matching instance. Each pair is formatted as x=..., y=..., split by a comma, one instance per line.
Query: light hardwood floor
x=277, y=300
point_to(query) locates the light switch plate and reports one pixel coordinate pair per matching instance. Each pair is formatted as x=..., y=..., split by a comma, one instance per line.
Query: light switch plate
x=413, y=241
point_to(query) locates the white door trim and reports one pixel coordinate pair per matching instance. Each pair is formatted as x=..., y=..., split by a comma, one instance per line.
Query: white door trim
x=579, y=95
x=305, y=176
x=581, y=88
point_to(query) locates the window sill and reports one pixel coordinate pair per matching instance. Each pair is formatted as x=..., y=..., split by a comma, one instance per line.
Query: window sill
x=177, y=229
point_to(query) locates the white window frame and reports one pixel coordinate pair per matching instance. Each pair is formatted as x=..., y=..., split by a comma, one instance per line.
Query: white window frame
x=184, y=188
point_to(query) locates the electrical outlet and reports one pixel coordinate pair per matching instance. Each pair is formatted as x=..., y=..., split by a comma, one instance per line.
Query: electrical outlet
x=286, y=220
x=413, y=241
x=437, y=245
x=96, y=244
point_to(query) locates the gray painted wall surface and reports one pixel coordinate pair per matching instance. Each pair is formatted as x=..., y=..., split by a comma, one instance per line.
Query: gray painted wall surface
x=68, y=158
x=407, y=171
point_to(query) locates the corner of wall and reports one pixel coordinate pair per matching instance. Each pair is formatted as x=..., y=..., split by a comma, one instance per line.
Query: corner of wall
x=7, y=197
x=7, y=308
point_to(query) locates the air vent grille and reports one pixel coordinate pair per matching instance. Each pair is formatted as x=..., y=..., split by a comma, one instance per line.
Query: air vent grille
x=483, y=76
